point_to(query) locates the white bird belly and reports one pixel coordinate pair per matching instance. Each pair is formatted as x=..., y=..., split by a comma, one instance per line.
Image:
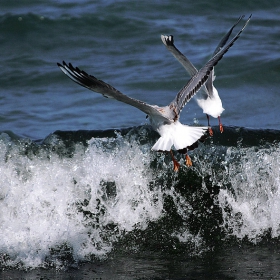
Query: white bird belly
x=210, y=105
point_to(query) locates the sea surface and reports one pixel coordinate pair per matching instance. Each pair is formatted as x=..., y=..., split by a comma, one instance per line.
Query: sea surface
x=82, y=196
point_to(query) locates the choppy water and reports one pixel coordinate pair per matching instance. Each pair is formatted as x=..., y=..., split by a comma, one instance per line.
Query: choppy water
x=75, y=186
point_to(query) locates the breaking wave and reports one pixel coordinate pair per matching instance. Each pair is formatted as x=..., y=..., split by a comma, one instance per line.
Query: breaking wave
x=82, y=195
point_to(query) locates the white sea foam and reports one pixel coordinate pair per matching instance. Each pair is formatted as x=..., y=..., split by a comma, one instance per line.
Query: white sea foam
x=86, y=201
x=251, y=207
x=90, y=199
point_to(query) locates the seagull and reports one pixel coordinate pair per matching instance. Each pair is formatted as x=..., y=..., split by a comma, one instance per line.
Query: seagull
x=208, y=99
x=164, y=120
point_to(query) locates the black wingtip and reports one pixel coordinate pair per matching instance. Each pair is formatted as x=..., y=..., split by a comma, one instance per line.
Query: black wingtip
x=62, y=65
x=167, y=40
x=170, y=39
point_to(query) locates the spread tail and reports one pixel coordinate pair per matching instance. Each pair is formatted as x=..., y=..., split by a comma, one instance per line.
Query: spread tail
x=178, y=135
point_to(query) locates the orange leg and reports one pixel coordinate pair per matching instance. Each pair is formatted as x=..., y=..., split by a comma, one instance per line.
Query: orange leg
x=188, y=161
x=209, y=127
x=220, y=124
x=175, y=162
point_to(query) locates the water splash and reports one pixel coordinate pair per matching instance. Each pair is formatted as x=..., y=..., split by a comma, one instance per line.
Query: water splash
x=248, y=182
x=251, y=207
x=87, y=200
x=75, y=197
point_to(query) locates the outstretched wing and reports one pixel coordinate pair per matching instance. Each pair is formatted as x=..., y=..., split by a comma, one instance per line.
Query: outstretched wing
x=168, y=41
x=209, y=82
x=199, y=79
x=88, y=81
x=226, y=37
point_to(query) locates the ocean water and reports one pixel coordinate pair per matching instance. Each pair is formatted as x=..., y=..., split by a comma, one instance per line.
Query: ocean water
x=82, y=195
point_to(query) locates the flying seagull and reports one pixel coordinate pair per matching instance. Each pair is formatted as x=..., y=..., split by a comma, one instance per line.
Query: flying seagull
x=164, y=120
x=208, y=99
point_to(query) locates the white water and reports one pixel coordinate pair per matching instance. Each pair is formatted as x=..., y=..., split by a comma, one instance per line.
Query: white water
x=249, y=188
x=92, y=199
x=42, y=199
x=251, y=209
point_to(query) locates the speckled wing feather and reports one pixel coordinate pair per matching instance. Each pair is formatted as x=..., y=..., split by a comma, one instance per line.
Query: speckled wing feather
x=88, y=81
x=199, y=79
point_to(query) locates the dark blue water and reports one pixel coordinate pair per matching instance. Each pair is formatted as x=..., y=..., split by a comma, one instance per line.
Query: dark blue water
x=119, y=42
x=80, y=188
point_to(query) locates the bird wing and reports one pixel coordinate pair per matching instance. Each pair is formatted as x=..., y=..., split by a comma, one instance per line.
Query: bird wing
x=209, y=82
x=226, y=37
x=199, y=79
x=88, y=81
x=168, y=41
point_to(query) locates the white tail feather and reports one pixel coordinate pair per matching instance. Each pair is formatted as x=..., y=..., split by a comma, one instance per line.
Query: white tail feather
x=178, y=135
